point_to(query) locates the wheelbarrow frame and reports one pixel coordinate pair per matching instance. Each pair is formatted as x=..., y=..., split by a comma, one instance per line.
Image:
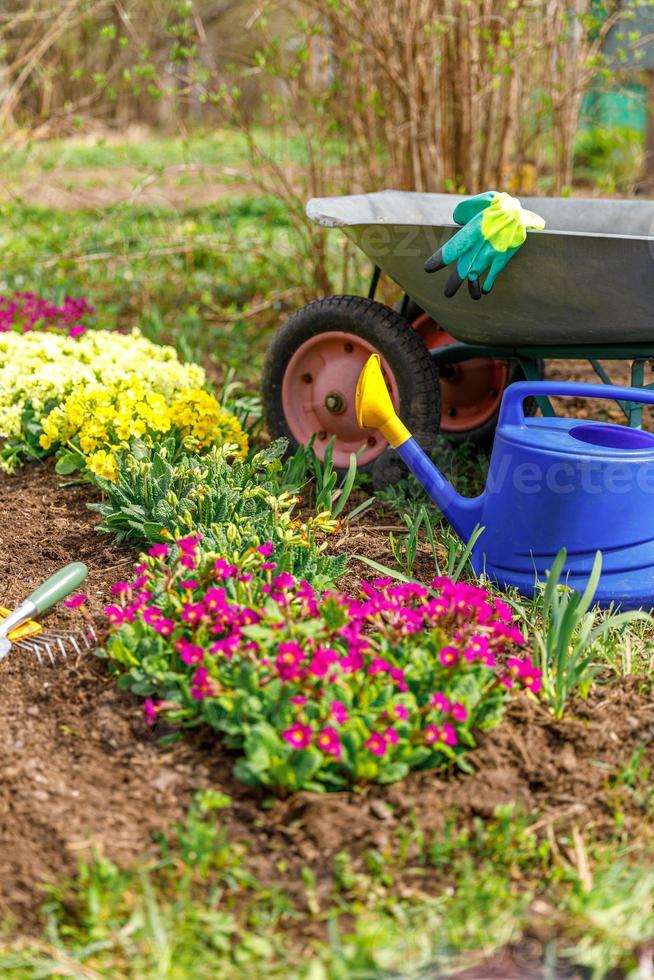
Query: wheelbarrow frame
x=528, y=357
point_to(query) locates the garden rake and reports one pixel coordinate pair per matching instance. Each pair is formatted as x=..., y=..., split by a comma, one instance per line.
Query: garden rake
x=18, y=628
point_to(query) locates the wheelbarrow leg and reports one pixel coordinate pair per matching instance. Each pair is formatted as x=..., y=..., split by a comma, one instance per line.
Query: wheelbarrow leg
x=530, y=366
x=374, y=282
x=634, y=410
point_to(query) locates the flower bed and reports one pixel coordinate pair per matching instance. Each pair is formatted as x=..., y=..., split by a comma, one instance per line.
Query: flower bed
x=26, y=311
x=314, y=690
x=85, y=399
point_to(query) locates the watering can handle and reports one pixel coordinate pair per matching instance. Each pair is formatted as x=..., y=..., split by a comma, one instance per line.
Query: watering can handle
x=512, y=412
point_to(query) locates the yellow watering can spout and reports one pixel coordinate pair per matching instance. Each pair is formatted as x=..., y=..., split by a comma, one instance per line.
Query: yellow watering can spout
x=375, y=410
x=374, y=406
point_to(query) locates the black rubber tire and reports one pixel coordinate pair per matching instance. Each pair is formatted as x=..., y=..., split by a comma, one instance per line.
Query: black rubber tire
x=389, y=333
x=482, y=436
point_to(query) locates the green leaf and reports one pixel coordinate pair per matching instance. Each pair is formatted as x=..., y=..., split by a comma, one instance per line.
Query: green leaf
x=69, y=462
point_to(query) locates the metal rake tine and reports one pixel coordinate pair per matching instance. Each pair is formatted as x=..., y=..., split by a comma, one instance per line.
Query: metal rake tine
x=30, y=647
x=89, y=637
x=73, y=642
x=51, y=645
x=47, y=650
x=40, y=648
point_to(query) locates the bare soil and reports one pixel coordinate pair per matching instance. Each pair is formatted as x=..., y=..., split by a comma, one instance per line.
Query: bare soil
x=81, y=770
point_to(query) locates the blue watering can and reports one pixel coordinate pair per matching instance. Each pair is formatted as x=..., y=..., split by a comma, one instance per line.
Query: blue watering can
x=552, y=483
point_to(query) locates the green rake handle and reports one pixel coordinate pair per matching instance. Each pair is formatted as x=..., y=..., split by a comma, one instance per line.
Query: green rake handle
x=58, y=586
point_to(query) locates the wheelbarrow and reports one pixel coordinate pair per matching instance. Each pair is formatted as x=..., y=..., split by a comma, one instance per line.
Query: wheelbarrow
x=582, y=288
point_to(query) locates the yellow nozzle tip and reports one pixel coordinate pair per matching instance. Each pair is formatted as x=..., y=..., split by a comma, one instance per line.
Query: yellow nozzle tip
x=374, y=406
x=367, y=386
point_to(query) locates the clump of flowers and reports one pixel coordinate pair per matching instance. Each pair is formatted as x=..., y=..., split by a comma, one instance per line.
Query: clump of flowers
x=24, y=311
x=315, y=690
x=88, y=396
x=96, y=421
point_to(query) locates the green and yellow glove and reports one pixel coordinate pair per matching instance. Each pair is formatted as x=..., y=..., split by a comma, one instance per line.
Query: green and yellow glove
x=494, y=227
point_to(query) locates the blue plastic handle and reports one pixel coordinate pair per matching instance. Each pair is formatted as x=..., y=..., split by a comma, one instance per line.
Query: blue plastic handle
x=511, y=412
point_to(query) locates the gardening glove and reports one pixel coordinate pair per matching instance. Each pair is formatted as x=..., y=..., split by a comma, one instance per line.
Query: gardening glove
x=494, y=227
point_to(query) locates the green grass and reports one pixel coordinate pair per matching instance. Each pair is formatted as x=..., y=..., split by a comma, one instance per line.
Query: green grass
x=198, y=908
x=220, y=148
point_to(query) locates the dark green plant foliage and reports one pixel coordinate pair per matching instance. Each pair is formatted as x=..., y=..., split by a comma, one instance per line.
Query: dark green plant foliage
x=232, y=504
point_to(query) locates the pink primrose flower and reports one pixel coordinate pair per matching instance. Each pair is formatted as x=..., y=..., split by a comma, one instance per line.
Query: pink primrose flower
x=448, y=656
x=338, y=712
x=193, y=612
x=115, y=615
x=440, y=733
x=459, y=712
x=530, y=676
x=164, y=626
x=189, y=652
x=224, y=570
x=247, y=617
x=215, y=598
x=351, y=662
x=266, y=549
x=323, y=659
x=189, y=544
x=391, y=735
x=502, y=611
x=376, y=744
x=151, y=710
x=476, y=649
x=201, y=685
x=158, y=551
x=508, y=632
x=448, y=735
x=227, y=645
x=75, y=601
x=283, y=581
x=151, y=615
x=290, y=656
x=440, y=702
x=329, y=742
x=432, y=733
x=299, y=736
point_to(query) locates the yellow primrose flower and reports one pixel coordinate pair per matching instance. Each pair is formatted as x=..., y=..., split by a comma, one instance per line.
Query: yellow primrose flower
x=103, y=464
x=108, y=389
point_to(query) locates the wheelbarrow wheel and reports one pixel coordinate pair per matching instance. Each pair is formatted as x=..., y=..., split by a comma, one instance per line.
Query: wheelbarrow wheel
x=310, y=375
x=471, y=391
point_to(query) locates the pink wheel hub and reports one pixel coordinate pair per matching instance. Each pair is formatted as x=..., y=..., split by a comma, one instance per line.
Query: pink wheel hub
x=471, y=391
x=318, y=396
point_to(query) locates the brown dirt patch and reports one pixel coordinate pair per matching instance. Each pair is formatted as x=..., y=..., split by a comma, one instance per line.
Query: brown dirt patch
x=80, y=769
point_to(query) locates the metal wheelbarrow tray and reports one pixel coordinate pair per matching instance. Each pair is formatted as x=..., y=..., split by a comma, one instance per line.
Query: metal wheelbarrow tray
x=587, y=279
